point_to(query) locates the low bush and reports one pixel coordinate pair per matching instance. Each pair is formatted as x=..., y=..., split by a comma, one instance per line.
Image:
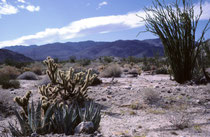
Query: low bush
x=11, y=84
x=112, y=71
x=151, y=97
x=28, y=76
x=181, y=119
x=11, y=72
x=7, y=73
x=162, y=70
x=84, y=62
x=37, y=68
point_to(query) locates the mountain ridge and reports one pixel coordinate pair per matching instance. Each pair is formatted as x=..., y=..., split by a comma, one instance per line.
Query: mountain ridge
x=13, y=56
x=91, y=49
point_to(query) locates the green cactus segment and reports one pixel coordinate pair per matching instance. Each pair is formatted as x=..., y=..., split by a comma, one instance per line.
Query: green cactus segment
x=24, y=101
x=65, y=86
x=57, y=119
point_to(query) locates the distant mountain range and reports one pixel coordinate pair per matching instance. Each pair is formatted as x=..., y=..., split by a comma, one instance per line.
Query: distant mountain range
x=91, y=49
x=10, y=55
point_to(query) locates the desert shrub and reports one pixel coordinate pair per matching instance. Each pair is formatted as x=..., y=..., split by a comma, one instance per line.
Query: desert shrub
x=72, y=59
x=11, y=84
x=28, y=76
x=37, y=68
x=133, y=72
x=10, y=71
x=151, y=97
x=162, y=70
x=113, y=70
x=84, y=62
x=107, y=59
x=176, y=27
x=7, y=73
x=180, y=119
x=16, y=64
x=132, y=59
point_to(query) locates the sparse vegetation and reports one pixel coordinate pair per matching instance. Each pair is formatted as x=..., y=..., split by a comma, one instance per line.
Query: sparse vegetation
x=113, y=70
x=28, y=76
x=8, y=75
x=181, y=119
x=151, y=97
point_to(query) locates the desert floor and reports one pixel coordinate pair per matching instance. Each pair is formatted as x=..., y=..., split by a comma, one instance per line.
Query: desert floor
x=143, y=106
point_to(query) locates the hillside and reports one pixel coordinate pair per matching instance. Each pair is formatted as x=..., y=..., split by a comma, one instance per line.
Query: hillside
x=91, y=49
x=17, y=57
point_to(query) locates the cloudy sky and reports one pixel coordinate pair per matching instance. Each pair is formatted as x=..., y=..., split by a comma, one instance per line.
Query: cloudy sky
x=29, y=22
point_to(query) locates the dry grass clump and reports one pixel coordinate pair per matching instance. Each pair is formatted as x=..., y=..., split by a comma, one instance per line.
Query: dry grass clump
x=37, y=67
x=180, y=119
x=113, y=70
x=28, y=76
x=10, y=71
x=151, y=97
x=7, y=76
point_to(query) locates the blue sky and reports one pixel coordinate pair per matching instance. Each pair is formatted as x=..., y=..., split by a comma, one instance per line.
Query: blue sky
x=29, y=22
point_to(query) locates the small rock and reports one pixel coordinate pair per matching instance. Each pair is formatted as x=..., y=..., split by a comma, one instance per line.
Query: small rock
x=157, y=86
x=198, y=101
x=183, y=94
x=169, y=91
x=103, y=99
x=84, y=127
x=13, y=92
x=178, y=89
x=128, y=88
x=109, y=92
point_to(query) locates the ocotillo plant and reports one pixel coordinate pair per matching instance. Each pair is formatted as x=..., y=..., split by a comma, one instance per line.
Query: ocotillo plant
x=176, y=26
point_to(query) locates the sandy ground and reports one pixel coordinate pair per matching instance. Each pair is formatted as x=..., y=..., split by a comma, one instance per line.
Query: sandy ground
x=142, y=106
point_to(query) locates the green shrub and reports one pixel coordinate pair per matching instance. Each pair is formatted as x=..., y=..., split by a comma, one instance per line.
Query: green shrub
x=11, y=84
x=107, y=59
x=162, y=70
x=84, y=62
x=72, y=59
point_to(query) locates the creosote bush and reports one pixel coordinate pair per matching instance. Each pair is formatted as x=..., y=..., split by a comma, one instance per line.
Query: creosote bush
x=176, y=26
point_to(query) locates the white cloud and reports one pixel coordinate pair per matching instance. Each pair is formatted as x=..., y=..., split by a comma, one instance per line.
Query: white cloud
x=21, y=1
x=7, y=9
x=102, y=4
x=32, y=8
x=84, y=27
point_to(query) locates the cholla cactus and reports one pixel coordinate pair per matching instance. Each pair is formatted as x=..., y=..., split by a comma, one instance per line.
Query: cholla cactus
x=65, y=86
x=23, y=101
x=52, y=69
